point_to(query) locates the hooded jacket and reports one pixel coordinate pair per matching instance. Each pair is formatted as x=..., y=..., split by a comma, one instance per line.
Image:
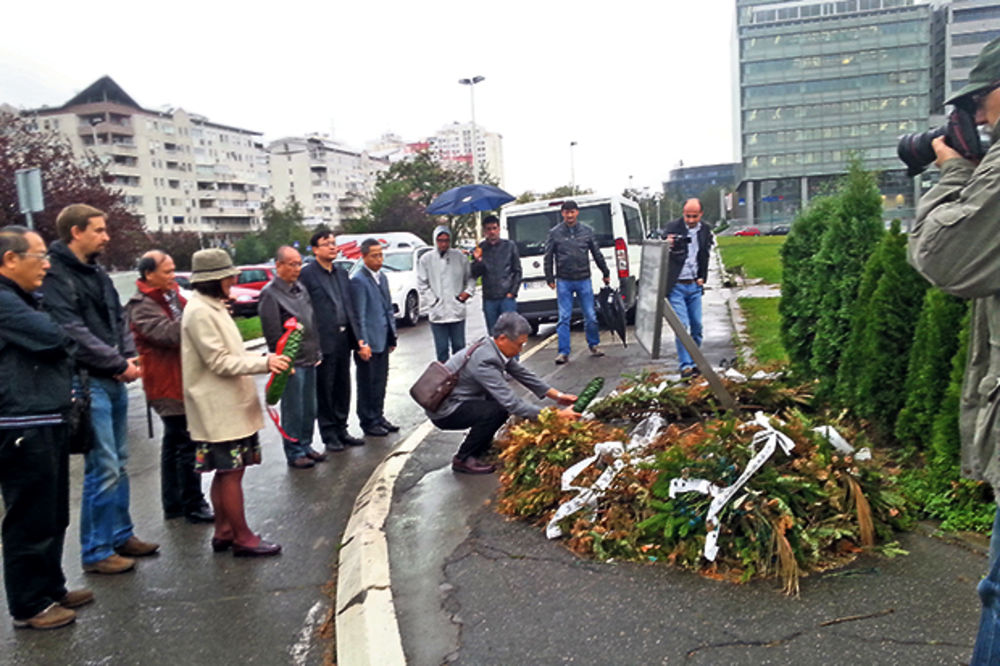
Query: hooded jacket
x=157, y=333
x=441, y=277
x=83, y=300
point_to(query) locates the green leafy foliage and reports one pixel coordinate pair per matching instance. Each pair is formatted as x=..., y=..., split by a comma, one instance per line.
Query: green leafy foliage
x=935, y=342
x=588, y=394
x=282, y=226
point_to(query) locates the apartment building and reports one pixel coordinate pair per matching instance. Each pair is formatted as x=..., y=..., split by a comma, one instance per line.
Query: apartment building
x=178, y=170
x=452, y=144
x=332, y=182
x=819, y=79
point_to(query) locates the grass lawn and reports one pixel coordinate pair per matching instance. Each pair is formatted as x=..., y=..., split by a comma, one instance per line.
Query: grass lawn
x=249, y=327
x=763, y=328
x=758, y=255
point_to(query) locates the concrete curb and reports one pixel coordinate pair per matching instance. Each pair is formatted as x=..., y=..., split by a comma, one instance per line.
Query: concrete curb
x=367, y=629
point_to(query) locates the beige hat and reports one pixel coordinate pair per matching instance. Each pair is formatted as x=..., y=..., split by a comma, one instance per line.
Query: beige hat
x=212, y=264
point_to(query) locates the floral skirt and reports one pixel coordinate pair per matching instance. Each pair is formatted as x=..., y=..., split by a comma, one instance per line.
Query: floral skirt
x=227, y=456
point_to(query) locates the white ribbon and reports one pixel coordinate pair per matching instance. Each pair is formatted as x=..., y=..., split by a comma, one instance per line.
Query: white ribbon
x=643, y=435
x=771, y=439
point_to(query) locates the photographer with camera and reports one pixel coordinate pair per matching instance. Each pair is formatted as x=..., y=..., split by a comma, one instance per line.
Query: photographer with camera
x=955, y=244
x=690, y=242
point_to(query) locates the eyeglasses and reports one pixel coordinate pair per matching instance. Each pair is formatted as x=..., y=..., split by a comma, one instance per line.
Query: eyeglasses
x=41, y=256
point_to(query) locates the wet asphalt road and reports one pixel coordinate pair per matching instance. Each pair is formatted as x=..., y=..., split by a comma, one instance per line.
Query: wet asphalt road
x=187, y=605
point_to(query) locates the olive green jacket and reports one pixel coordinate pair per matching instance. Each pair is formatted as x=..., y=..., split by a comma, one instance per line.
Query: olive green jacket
x=955, y=244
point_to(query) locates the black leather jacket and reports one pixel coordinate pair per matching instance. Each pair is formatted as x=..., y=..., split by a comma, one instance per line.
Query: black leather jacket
x=82, y=298
x=568, y=247
x=678, y=253
x=500, y=268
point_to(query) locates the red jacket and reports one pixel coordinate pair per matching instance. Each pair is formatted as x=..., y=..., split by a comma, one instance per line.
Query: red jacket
x=158, y=339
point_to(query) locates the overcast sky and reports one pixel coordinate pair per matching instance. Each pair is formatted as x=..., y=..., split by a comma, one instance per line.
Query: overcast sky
x=638, y=85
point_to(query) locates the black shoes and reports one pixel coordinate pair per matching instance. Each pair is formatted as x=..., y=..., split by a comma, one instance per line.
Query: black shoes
x=202, y=514
x=345, y=438
x=334, y=445
x=262, y=549
x=388, y=425
x=377, y=430
x=471, y=465
x=316, y=456
x=303, y=462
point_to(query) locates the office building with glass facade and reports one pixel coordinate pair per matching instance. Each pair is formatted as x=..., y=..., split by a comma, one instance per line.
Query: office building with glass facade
x=820, y=80
x=971, y=25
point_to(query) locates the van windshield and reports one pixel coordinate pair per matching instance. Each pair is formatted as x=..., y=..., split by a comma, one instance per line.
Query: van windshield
x=531, y=230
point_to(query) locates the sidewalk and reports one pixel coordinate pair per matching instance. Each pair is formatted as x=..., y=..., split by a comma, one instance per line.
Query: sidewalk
x=430, y=574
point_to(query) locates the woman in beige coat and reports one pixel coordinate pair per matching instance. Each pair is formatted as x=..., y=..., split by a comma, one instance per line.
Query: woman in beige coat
x=220, y=399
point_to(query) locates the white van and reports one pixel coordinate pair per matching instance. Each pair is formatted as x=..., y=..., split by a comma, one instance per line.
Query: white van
x=619, y=231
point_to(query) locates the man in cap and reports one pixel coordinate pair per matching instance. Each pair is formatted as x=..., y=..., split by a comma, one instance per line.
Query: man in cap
x=566, y=260
x=80, y=296
x=956, y=245
x=690, y=241
x=445, y=281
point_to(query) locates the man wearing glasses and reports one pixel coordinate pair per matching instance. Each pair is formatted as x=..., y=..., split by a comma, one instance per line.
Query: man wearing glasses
x=690, y=242
x=337, y=325
x=34, y=440
x=955, y=244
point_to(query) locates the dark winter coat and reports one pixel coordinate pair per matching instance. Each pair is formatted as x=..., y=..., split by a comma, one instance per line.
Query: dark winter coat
x=568, y=248
x=35, y=362
x=82, y=298
x=500, y=269
x=679, y=251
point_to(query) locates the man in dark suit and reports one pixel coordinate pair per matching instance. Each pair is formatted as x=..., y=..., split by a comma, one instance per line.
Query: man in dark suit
x=370, y=289
x=339, y=333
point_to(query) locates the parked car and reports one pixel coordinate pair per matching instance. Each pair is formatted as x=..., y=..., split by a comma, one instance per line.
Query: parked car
x=243, y=301
x=748, y=231
x=780, y=230
x=255, y=276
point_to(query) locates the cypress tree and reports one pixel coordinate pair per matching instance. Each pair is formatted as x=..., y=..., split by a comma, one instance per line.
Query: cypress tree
x=890, y=319
x=934, y=345
x=847, y=243
x=945, y=437
x=801, y=286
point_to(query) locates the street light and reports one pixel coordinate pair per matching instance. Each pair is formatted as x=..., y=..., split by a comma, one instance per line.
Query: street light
x=475, y=174
x=472, y=100
x=572, y=169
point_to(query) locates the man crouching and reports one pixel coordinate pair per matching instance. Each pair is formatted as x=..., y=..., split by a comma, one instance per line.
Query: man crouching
x=482, y=399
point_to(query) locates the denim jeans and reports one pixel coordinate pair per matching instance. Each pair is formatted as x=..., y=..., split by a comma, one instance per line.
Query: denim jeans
x=987, y=650
x=582, y=289
x=104, y=517
x=298, y=411
x=493, y=308
x=685, y=299
x=453, y=332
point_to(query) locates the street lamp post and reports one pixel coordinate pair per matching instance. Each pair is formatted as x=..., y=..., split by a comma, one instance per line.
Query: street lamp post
x=472, y=102
x=572, y=169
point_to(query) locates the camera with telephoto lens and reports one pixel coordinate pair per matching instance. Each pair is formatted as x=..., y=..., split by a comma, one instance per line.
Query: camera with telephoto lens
x=960, y=132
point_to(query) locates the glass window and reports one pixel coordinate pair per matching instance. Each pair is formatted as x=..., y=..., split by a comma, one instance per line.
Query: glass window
x=531, y=231
x=399, y=261
x=633, y=224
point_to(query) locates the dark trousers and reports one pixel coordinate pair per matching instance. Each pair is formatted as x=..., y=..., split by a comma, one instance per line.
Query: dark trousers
x=482, y=417
x=34, y=480
x=372, y=377
x=180, y=485
x=333, y=388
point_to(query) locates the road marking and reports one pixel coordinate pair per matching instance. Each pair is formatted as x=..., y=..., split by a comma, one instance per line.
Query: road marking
x=300, y=650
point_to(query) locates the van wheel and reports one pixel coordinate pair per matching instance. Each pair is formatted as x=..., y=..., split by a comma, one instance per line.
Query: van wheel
x=411, y=314
x=534, y=326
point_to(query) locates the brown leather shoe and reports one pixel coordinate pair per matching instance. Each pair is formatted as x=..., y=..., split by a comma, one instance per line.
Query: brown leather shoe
x=114, y=564
x=136, y=547
x=302, y=462
x=77, y=598
x=262, y=549
x=53, y=617
x=316, y=456
x=471, y=465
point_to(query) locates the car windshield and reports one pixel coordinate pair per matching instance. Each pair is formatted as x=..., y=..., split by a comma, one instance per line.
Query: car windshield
x=531, y=230
x=398, y=261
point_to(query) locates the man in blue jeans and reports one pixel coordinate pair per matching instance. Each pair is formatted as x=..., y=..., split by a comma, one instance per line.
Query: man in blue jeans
x=566, y=261
x=690, y=242
x=80, y=296
x=498, y=263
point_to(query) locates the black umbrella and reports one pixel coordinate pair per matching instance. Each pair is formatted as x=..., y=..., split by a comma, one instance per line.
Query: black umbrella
x=611, y=311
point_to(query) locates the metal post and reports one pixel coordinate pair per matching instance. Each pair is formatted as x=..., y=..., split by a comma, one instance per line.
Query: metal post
x=475, y=173
x=572, y=169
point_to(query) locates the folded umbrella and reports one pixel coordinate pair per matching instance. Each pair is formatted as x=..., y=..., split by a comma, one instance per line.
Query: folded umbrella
x=611, y=311
x=468, y=199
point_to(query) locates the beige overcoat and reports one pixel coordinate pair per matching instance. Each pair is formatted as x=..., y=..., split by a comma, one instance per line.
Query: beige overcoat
x=220, y=397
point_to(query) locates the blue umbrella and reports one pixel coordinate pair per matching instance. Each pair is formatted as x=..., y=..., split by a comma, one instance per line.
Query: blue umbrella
x=468, y=199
